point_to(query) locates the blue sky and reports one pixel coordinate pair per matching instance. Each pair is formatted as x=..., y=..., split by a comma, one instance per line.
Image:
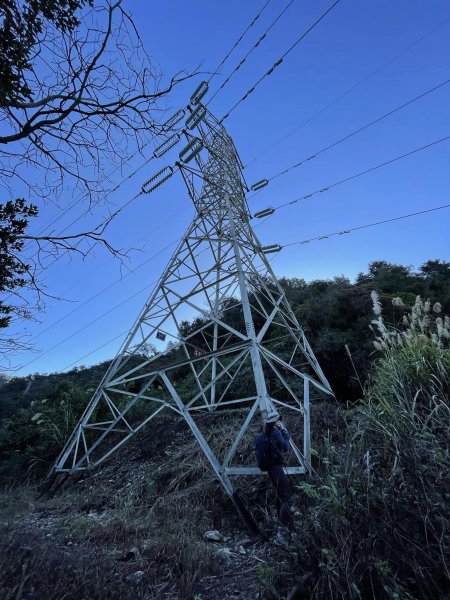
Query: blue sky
x=350, y=44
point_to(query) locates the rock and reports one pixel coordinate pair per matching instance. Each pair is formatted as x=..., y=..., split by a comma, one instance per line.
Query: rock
x=224, y=555
x=198, y=589
x=149, y=547
x=281, y=540
x=245, y=542
x=136, y=578
x=132, y=554
x=117, y=555
x=213, y=536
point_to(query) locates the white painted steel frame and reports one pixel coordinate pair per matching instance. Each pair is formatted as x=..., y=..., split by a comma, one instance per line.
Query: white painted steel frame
x=218, y=267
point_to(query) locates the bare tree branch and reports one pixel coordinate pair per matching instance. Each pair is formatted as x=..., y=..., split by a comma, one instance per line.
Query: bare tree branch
x=93, y=102
x=79, y=97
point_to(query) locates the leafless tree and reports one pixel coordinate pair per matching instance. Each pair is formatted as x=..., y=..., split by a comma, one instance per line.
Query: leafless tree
x=93, y=104
x=93, y=98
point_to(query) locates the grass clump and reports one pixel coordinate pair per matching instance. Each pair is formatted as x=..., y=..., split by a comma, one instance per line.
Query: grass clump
x=378, y=519
x=31, y=440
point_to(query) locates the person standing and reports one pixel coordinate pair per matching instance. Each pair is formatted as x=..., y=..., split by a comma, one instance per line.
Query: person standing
x=271, y=448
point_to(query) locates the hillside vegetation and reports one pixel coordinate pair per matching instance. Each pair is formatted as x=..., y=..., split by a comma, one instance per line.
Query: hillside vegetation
x=373, y=521
x=334, y=313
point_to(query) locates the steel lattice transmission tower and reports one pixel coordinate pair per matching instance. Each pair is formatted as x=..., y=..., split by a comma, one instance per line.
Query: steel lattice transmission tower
x=240, y=324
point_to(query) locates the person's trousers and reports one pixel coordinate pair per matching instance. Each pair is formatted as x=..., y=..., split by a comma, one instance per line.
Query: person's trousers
x=283, y=491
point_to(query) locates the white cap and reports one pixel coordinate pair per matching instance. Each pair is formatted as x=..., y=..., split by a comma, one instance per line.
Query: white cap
x=272, y=416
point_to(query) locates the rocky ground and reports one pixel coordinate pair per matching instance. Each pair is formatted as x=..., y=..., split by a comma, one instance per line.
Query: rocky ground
x=152, y=523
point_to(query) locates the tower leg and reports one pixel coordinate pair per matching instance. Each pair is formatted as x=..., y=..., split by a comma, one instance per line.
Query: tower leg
x=223, y=478
x=233, y=335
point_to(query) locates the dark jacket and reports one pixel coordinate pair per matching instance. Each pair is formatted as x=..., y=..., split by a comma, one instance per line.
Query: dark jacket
x=279, y=441
x=278, y=444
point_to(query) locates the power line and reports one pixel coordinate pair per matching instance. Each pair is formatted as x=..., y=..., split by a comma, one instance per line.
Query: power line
x=351, y=89
x=66, y=339
x=360, y=129
x=83, y=197
x=106, y=195
x=102, y=291
x=178, y=212
x=110, y=340
x=280, y=60
x=55, y=260
x=306, y=241
x=111, y=309
x=61, y=342
x=102, y=225
x=345, y=231
x=115, y=188
x=256, y=45
x=93, y=351
x=239, y=40
x=379, y=166
x=98, y=226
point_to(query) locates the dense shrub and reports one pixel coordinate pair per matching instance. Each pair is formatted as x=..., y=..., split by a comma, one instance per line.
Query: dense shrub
x=377, y=525
x=31, y=440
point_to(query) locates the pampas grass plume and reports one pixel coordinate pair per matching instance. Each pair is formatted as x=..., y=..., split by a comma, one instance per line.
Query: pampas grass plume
x=437, y=307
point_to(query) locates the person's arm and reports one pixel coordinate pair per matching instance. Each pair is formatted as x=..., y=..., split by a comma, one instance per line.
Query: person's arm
x=281, y=438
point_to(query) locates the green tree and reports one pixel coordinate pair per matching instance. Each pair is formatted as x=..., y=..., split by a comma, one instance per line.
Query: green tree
x=14, y=272
x=390, y=278
x=436, y=275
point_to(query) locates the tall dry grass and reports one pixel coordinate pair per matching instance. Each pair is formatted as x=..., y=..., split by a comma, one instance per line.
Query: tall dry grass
x=378, y=518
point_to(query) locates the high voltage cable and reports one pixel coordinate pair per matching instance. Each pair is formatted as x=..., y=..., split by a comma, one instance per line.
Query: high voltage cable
x=363, y=128
x=106, y=195
x=345, y=231
x=150, y=64
x=102, y=225
x=114, y=189
x=112, y=339
x=134, y=242
x=109, y=310
x=56, y=259
x=351, y=89
x=103, y=290
x=104, y=314
x=306, y=241
x=258, y=42
x=88, y=325
x=93, y=351
x=178, y=240
x=379, y=166
x=239, y=40
x=280, y=60
x=118, y=280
